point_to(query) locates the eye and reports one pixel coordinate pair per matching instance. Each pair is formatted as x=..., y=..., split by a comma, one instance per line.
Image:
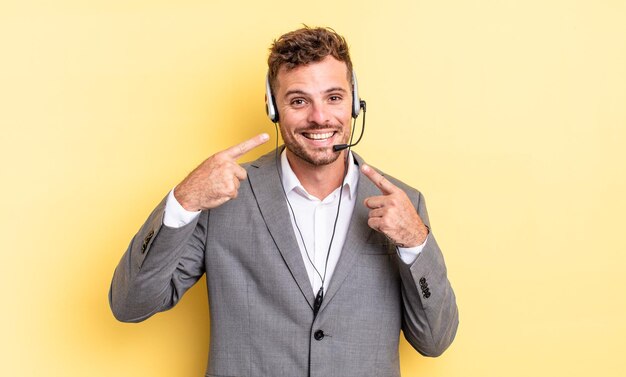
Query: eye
x=334, y=98
x=297, y=102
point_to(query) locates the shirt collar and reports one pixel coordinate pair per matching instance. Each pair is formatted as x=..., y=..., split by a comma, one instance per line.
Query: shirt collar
x=291, y=181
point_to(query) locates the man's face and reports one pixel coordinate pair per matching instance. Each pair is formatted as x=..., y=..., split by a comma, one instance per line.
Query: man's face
x=315, y=106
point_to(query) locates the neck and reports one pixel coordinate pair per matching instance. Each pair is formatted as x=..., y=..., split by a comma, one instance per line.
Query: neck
x=321, y=180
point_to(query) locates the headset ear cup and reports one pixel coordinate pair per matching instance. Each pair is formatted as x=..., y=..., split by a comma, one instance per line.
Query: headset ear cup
x=356, y=101
x=270, y=103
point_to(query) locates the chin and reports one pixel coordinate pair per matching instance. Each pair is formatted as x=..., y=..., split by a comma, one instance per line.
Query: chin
x=326, y=160
x=315, y=158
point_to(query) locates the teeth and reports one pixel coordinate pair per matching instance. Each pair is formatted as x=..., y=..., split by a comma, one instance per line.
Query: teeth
x=318, y=136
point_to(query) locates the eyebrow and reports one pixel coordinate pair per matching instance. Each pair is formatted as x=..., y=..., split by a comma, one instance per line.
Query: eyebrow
x=302, y=92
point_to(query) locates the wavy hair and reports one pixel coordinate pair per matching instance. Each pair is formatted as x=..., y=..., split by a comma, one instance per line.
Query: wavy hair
x=304, y=46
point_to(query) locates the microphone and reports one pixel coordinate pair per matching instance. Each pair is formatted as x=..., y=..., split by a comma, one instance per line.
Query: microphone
x=340, y=147
x=318, y=301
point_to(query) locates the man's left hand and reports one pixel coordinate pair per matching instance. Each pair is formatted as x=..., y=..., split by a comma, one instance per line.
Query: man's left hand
x=393, y=214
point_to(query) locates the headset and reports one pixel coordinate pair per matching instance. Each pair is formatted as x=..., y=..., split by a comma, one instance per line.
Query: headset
x=272, y=111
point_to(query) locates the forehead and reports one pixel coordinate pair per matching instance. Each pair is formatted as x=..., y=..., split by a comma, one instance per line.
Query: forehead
x=327, y=72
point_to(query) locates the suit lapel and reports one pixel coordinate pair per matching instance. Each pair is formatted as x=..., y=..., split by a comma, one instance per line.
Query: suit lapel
x=358, y=234
x=267, y=189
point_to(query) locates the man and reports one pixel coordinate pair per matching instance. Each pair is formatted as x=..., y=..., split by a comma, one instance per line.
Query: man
x=314, y=260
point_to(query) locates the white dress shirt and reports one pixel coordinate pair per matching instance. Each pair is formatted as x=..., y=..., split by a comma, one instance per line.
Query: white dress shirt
x=313, y=223
x=315, y=218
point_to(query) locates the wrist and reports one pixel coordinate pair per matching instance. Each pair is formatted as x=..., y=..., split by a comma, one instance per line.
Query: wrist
x=419, y=238
x=183, y=199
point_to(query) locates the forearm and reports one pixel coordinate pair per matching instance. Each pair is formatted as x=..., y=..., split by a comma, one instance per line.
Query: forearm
x=430, y=314
x=160, y=264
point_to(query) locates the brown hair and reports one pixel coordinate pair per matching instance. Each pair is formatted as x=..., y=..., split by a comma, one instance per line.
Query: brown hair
x=304, y=46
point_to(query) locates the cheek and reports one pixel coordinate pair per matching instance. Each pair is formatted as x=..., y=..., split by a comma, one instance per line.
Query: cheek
x=288, y=126
x=344, y=115
x=292, y=119
x=346, y=121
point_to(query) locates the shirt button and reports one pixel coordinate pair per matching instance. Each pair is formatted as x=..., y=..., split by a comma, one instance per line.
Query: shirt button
x=319, y=335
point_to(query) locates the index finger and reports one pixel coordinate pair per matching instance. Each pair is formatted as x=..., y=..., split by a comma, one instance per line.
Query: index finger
x=381, y=182
x=242, y=148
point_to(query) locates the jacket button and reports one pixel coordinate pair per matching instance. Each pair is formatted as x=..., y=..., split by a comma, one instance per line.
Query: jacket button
x=319, y=335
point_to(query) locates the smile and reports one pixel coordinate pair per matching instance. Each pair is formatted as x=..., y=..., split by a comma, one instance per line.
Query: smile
x=319, y=136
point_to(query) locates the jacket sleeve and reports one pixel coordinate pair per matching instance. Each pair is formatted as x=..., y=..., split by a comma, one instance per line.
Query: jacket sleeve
x=158, y=267
x=429, y=313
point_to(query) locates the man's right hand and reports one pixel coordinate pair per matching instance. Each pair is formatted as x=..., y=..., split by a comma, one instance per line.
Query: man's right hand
x=216, y=180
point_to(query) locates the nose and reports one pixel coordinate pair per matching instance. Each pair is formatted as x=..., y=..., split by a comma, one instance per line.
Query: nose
x=318, y=114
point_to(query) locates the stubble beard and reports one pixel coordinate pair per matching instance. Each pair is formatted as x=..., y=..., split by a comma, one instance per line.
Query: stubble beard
x=316, y=157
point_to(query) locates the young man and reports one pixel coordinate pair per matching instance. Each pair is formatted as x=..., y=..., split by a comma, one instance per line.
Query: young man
x=314, y=260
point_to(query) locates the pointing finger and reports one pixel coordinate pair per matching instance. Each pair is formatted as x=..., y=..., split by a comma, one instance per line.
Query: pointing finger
x=240, y=149
x=381, y=182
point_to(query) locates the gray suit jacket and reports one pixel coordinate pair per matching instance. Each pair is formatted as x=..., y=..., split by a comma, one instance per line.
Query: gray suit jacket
x=261, y=300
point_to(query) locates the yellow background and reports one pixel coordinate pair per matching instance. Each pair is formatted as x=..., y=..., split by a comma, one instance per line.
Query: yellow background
x=510, y=116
